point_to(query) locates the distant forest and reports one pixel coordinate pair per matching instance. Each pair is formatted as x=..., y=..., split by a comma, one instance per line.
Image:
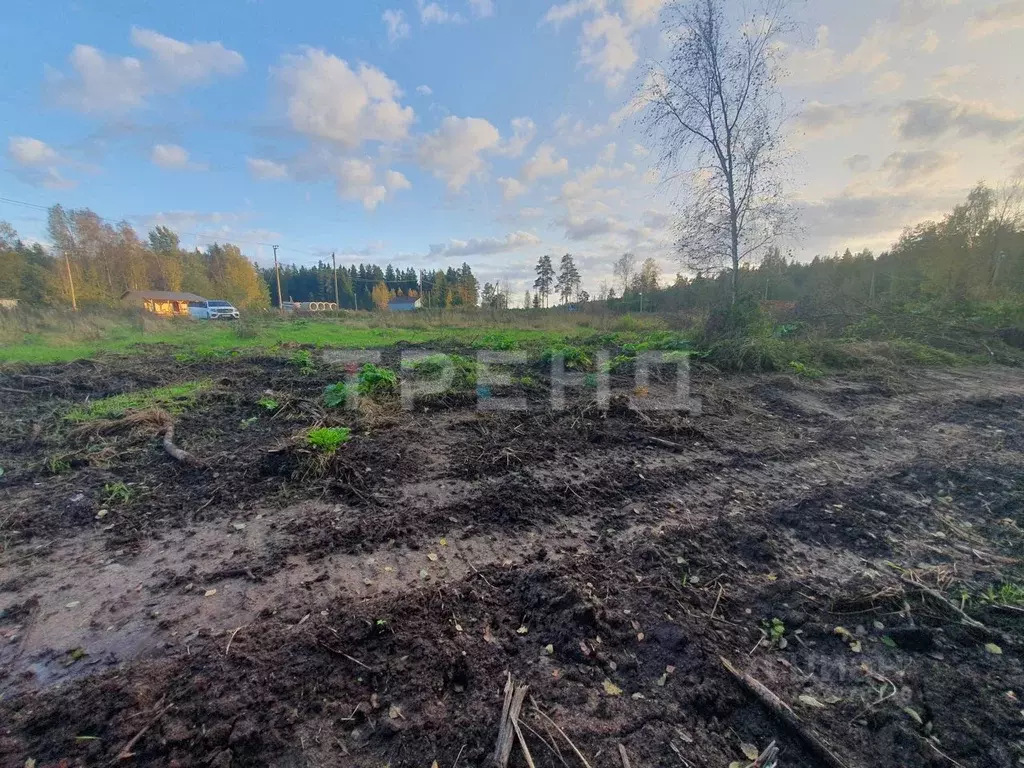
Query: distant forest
x=974, y=254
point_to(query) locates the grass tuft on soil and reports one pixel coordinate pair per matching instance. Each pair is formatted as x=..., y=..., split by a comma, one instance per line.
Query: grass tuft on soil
x=174, y=399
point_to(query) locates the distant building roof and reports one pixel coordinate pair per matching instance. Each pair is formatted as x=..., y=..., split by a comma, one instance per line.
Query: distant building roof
x=160, y=296
x=403, y=300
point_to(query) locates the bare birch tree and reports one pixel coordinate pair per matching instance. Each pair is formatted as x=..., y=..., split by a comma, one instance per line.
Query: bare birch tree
x=714, y=109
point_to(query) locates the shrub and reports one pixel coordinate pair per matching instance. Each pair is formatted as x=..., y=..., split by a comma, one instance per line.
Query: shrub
x=336, y=394
x=329, y=439
x=267, y=403
x=303, y=360
x=805, y=370
x=376, y=381
x=244, y=330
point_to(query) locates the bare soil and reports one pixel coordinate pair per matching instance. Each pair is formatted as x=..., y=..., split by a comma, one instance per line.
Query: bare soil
x=266, y=609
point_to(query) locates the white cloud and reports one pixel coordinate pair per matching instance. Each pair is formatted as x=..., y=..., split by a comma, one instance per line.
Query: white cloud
x=433, y=13
x=607, y=155
x=31, y=153
x=556, y=14
x=908, y=168
x=578, y=132
x=888, y=82
x=453, y=152
x=183, y=63
x=424, y=90
x=914, y=12
x=936, y=116
x=395, y=181
x=511, y=188
x=822, y=64
x=818, y=118
x=267, y=170
x=931, y=41
x=999, y=18
x=587, y=228
x=642, y=12
x=953, y=74
x=172, y=157
x=355, y=180
x=523, y=132
x=544, y=163
x=532, y=213
x=606, y=48
x=37, y=163
x=100, y=83
x=484, y=246
x=482, y=8
x=398, y=27
x=326, y=99
x=858, y=163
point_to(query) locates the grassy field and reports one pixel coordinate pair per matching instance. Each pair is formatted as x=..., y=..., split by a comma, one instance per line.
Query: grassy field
x=46, y=337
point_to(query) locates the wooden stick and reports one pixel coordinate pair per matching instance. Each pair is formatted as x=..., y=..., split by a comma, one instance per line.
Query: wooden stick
x=175, y=452
x=509, y=728
x=522, y=743
x=126, y=753
x=624, y=757
x=563, y=735
x=784, y=712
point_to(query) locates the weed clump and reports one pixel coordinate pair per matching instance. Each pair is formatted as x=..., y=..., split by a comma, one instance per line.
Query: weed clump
x=303, y=360
x=463, y=370
x=335, y=395
x=375, y=381
x=327, y=440
x=576, y=359
x=174, y=399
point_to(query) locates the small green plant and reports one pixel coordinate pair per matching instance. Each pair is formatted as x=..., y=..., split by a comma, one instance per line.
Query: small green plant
x=58, y=465
x=303, y=360
x=1004, y=594
x=336, y=394
x=246, y=331
x=328, y=440
x=246, y=423
x=775, y=631
x=376, y=381
x=805, y=370
x=267, y=403
x=118, y=493
x=618, y=363
x=576, y=359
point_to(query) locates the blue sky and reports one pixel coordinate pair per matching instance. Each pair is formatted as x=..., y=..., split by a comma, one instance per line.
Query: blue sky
x=487, y=131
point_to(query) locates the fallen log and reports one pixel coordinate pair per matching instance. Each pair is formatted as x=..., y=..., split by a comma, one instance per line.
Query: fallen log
x=789, y=718
x=177, y=453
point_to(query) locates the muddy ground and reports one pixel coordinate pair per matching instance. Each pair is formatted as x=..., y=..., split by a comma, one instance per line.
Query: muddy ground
x=260, y=609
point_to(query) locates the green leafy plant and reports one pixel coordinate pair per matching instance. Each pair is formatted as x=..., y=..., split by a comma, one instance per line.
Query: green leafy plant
x=376, y=381
x=58, y=465
x=119, y=493
x=267, y=403
x=1004, y=594
x=576, y=359
x=775, y=630
x=329, y=439
x=303, y=360
x=336, y=394
x=463, y=370
x=805, y=370
x=246, y=423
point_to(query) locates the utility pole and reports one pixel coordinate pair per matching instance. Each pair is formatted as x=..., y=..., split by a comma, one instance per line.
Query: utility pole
x=277, y=272
x=71, y=282
x=641, y=302
x=334, y=260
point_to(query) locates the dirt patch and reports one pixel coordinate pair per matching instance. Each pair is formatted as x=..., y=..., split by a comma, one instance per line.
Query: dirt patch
x=247, y=611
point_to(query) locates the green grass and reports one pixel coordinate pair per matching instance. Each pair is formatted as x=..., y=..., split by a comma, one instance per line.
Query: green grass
x=433, y=367
x=174, y=398
x=328, y=440
x=195, y=342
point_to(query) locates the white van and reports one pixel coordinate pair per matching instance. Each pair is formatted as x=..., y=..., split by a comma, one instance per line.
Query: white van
x=212, y=310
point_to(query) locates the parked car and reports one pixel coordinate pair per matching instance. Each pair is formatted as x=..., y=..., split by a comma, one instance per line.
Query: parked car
x=212, y=310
